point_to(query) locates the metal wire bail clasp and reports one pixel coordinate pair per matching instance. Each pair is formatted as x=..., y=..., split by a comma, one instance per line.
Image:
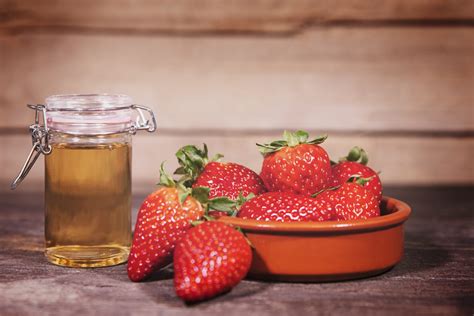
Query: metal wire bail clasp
x=40, y=140
x=142, y=123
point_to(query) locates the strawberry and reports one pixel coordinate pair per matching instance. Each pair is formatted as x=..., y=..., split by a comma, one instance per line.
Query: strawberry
x=355, y=164
x=295, y=164
x=163, y=219
x=224, y=179
x=210, y=260
x=286, y=207
x=229, y=179
x=351, y=201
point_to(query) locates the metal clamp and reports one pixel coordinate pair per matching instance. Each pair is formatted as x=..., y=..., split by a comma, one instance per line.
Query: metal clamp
x=40, y=135
x=142, y=123
x=40, y=140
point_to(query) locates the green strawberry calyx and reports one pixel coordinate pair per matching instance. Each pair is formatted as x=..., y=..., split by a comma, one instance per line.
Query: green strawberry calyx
x=192, y=161
x=201, y=194
x=226, y=205
x=290, y=139
x=222, y=204
x=356, y=154
x=167, y=181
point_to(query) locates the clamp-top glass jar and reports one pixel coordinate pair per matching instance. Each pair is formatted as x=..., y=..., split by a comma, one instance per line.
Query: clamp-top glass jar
x=87, y=143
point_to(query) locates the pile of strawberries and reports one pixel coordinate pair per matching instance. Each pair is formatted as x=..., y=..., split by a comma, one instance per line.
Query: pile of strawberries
x=298, y=182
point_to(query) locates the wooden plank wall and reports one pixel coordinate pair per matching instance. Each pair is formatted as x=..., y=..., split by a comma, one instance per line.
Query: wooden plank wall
x=396, y=77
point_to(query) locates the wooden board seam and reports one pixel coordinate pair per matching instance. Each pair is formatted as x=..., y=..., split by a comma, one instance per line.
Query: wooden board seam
x=11, y=131
x=295, y=31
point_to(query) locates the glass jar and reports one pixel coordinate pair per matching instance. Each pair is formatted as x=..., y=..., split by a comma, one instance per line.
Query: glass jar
x=87, y=140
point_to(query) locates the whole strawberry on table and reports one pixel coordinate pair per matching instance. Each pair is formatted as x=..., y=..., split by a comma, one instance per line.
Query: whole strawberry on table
x=173, y=225
x=298, y=182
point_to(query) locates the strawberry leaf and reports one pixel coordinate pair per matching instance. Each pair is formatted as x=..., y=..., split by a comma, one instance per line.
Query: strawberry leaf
x=205, y=151
x=318, y=140
x=290, y=138
x=217, y=157
x=165, y=179
x=208, y=217
x=268, y=149
x=222, y=204
x=364, y=158
x=241, y=199
x=196, y=223
x=201, y=194
x=180, y=170
x=183, y=196
x=192, y=161
x=356, y=154
x=302, y=136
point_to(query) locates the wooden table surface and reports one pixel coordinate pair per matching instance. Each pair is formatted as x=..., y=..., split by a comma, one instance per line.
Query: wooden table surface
x=435, y=277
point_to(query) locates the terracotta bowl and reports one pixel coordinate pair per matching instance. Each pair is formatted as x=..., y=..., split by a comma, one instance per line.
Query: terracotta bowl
x=326, y=251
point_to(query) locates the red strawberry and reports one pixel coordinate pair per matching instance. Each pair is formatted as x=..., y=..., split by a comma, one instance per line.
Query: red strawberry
x=355, y=164
x=229, y=179
x=295, y=164
x=351, y=201
x=209, y=260
x=224, y=179
x=163, y=219
x=286, y=207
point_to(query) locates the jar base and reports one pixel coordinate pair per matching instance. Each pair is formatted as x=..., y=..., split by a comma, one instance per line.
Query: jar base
x=87, y=256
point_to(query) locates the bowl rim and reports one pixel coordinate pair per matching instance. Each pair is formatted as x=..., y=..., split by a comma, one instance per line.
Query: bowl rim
x=399, y=213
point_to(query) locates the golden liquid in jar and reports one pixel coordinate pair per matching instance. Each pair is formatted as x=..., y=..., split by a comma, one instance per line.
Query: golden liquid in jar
x=88, y=204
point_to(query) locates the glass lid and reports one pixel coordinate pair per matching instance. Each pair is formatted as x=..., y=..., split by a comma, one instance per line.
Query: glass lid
x=88, y=102
x=90, y=114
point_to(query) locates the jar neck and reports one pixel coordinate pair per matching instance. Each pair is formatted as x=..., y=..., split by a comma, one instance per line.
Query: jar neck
x=64, y=138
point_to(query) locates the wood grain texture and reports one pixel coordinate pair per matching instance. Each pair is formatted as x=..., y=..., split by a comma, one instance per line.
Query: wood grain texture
x=337, y=78
x=217, y=16
x=402, y=160
x=434, y=278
